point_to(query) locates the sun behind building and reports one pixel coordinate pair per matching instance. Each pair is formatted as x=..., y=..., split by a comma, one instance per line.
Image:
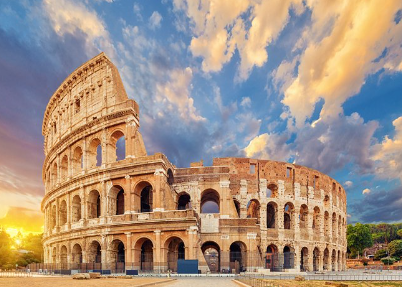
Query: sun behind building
x=110, y=205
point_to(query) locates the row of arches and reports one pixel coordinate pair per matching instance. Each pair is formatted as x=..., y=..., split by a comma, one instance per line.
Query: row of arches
x=74, y=164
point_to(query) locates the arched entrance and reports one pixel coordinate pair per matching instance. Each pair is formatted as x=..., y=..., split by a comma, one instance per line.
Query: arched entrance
x=237, y=256
x=271, y=258
x=63, y=257
x=326, y=259
x=316, y=259
x=210, y=201
x=117, y=256
x=272, y=209
x=211, y=251
x=94, y=253
x=147, y=256
x=183, y=202
x=304, y=259
x=175, y=251
x=333, y=260
x=288, y=216
x=77, y=255
x=288, y=258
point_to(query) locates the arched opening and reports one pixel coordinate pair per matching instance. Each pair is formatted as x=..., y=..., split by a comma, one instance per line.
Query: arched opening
x=175, y=251
x=326, y=201
x=78, y=160
x=63, y=213
x=237, y=206
x=76, y=208
x=303, y=217
x=54, y=174
x=339, y=226
x=271, y=258
x=333, y=260
x=288, y=216
x=272, y=191
x=64, y=168
x=327, y=224
x=183, y=202
x=94, y=204
x=316, y=220
x=339, y=261
x=326, y=259
x=95, y=253
x=118, y=144
x=77, y=254
x=54, y=255
x=53, y=217
x=316, y=259
x=272, y=211
x=120, y=202
x=288, y=258
x=334, y=229
x=117, y=256
x=63, y=257
x=147, y=256
x=95, y=153
x=146, y=199
x=170, y=178
x=237, y=256
x=210, y=201
x=211, y=252
x=304, y=259
x=253, y=209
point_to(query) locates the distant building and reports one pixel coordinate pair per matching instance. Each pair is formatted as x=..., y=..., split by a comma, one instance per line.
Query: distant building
x=108, y=204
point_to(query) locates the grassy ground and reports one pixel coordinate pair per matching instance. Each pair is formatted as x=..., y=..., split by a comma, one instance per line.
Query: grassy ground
x=68, y=281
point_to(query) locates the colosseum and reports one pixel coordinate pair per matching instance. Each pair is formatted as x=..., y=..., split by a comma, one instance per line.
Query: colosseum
x=110, y=205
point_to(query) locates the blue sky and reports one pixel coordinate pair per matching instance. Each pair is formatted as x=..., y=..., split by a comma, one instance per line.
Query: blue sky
x=310, y=82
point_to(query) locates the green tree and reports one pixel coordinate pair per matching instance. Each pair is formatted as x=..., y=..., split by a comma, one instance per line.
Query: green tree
x=359, y=238
x=380, y=254
x=5, y=248
x=399, y=232
x=395, y=248
x=33, y=243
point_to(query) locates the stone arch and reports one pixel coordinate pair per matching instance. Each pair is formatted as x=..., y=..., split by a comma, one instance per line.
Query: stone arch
x=78, y=160
x=272, y=190
x=326, y=260
x=95, y=153
x=304, y=259
x=339, y=261
x=117, y=255
x=327, y=224
x=316, y=259
x=76, y=254
x=64, y=168
x=53, y=217
x=94, y=252
x=288, y=216
x=339, y=225
x=63, y=213
x=76, y=208
x=63, y=257
x=116, y=195
x=333, y=260
x=54, y=255
x=143, y=193
x=237, y=206
x=170, y=177
x=145, y=246
x=253, y=209
x=212, y=255
x=54, y=174
x=288, y=257
x=237, y=256
x=272, y=215
x=210, y=201
x=184, y=201
x=175, y=250
x=326, y=201
x=316, y=219
x=94, y=204
x=117, y=146
x=271, y=257
x=303, y=216
x=334, y=229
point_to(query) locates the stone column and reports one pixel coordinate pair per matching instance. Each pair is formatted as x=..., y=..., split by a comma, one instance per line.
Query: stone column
x=129, y=250
x=157, y=251
x=297, y=258
x=310, y=258
x=127, y=196
x=225, y=193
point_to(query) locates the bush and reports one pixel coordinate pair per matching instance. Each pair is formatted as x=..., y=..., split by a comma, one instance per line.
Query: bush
x=388, y=261
x=380, y=254
x=365, y=261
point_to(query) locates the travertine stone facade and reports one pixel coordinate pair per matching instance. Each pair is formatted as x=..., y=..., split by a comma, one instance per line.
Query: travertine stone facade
x=109, y=202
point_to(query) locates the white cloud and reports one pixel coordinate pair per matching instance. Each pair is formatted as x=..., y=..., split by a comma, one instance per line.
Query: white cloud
x=155, y=20
x=268, y=146
x=366, y=191
x=245, y=102
x=348, y=183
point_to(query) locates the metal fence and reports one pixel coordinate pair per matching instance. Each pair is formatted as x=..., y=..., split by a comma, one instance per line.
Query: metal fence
x=16, y=273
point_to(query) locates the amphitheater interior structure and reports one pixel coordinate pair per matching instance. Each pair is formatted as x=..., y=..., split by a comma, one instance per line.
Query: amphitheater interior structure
x=108, y=204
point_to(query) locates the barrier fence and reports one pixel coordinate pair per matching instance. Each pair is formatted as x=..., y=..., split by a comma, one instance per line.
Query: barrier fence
x=16, y=273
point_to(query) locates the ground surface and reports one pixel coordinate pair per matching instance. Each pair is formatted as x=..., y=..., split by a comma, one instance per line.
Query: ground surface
x=68, y=281
x=291, y=283
x=202, y=282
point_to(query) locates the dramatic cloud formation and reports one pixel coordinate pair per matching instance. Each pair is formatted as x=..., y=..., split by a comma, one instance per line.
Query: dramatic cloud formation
x=28, y=219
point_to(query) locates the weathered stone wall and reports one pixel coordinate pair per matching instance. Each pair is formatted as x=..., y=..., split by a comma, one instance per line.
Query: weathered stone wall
x=101, y=208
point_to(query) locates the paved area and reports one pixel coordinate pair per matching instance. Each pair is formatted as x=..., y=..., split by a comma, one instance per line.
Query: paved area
x=202, y=282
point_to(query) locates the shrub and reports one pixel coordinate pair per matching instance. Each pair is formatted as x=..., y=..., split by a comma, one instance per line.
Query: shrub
x=380, y=254
x=388, y=260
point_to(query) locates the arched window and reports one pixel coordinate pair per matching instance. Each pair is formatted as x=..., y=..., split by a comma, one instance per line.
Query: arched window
x=64, y=168
x=95, y=153
x=94, y=204
x=54, y=174
x=120, y=202
x=327, y=224
x=272, y=191
x=316, y=219
x=78, y=160
x=272, y=210
x=118, y=143
x=146, y=199
x=184, y=201
x=63, y=213
x=253, y=209
x=210, y=201
x=288, y=216
x=334, y=229
x=76, y=208
x=53, y=217
x=303, y=217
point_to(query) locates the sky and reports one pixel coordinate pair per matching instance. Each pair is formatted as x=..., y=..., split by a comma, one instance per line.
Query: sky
x=315, y=83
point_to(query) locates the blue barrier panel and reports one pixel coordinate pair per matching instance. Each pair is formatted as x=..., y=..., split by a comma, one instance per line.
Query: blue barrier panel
x=131, y=272
x=187, y=266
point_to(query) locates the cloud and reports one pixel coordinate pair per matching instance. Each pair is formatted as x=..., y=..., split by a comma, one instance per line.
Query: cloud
x=221, y=27
x=342, y=44
x=155, y=20
x=379, y=206
x=388, y=154
x=245, y=102
x=268, y=146
x=366, y=191
x=348, y=183
x=19, y=217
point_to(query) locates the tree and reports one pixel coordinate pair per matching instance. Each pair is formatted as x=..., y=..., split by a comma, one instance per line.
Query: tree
x=5, y=248
x=33, y=243
x=395, y=248
x=359, y=238
x=380, y=254
x=399, y=232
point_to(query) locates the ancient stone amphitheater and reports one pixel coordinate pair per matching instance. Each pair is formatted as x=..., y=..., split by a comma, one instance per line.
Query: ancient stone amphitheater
x=110, y=205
